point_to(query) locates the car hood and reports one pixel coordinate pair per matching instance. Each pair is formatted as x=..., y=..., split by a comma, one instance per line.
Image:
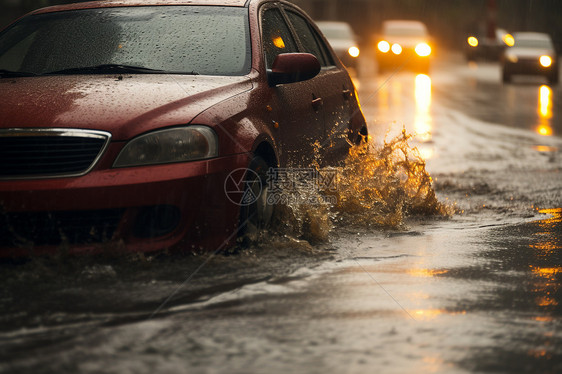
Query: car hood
x=530, y=52
x=124, y=105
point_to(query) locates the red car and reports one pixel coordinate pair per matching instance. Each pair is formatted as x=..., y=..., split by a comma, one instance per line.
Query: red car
x=141, y=125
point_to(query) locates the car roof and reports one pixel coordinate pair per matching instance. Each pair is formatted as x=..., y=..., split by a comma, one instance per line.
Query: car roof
x=340, y=27
x=334, y=24
x=531, y=35
x=120, y=3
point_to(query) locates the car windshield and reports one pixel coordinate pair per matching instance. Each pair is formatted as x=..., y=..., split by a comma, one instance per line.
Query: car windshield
x=405, y=30
x=176, y=39
x=533, y=43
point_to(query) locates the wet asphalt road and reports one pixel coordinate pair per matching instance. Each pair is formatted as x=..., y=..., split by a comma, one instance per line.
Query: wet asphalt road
x=478, y=292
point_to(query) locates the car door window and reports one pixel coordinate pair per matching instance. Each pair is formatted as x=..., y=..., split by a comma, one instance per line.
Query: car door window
x=276, y=36
x=310, y=42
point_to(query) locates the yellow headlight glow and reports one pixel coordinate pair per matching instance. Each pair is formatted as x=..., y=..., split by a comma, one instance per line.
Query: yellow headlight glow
x=472, y=41
x=509, y=40
x=423, y=50
x=353, y=51
x=396, y=48
x=545, y=61
x=383, y=46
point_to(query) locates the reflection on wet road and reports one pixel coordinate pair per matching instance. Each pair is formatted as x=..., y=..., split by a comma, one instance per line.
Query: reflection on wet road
x=545, y=111
x=479, y=292
x=527, y=103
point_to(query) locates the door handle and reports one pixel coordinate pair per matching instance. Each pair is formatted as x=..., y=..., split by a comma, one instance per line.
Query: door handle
x=317, y=103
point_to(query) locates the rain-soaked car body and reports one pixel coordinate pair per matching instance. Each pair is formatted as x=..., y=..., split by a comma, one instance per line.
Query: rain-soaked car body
x=121, y=121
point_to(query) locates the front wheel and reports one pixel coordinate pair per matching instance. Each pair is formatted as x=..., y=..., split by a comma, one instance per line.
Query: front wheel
x=255, y=211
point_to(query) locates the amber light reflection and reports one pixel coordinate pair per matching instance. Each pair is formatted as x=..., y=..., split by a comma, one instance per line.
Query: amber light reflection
x=389, y=101
x=547, y=284
x=423, y=120
x=545, y=111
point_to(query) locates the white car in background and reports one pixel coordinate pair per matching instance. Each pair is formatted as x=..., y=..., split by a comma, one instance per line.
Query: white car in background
x=532, y=54
x=341, y=37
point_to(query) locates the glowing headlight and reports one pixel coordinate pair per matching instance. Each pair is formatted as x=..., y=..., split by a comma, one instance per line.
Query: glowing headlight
x=472, y=41
x=383, y=46
x=353, y=51
x=423, y=49
x=545, y=61
x=178, y=144
x=396, y=48
x=508, y=40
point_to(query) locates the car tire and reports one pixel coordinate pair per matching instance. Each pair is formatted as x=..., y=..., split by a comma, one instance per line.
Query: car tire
x=255, y=216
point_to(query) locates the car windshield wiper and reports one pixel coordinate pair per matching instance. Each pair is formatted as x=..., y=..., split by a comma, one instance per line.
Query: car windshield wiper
x=11, y=74
x=105, y=68
x=113, y=68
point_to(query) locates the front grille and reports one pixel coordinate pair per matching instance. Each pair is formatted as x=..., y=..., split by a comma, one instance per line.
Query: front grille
x=34, y=153
x=30, y=229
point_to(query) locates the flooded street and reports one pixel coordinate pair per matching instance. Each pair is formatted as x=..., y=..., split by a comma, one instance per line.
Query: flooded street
x=477, y=290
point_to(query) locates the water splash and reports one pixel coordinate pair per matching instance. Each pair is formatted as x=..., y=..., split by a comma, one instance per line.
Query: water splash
x=383, y=185
x=377, y=186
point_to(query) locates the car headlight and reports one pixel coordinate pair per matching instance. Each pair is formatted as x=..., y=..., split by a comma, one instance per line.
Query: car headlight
x=423, y=49
x=545, y=61
x=396, y=48
x=508, y=40
x=177, y=144
x=353, y=51
x=383, y=46
x=472, y=41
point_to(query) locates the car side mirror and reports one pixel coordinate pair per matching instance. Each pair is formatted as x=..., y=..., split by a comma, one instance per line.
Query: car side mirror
x=292, y=68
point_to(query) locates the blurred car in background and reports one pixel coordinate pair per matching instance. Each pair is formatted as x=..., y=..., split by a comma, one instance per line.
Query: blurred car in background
x=403, y=44
x=342, y=39
x=480, y=46
x=532, y=54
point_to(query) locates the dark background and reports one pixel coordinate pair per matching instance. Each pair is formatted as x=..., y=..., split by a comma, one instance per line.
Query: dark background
x=448, y=20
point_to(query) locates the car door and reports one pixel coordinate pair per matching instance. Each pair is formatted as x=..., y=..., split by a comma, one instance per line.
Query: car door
x=333, y=87
x=296, y=107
